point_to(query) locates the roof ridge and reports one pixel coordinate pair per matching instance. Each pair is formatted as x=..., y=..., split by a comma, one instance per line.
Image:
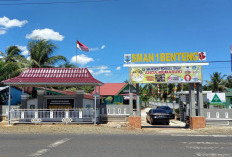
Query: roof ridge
x=53, y=75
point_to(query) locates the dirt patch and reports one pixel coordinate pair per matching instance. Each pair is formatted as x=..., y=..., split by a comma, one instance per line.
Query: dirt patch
x=109, y=128
x=220, y=130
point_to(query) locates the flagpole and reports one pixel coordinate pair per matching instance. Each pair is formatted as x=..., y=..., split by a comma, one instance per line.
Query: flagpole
x=231, y=62
x=76, y=53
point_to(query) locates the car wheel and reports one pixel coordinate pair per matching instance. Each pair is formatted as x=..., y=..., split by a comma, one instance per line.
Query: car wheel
x=152, y=121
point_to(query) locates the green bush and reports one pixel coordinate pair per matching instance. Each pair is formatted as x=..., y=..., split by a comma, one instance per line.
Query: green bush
x=177, y=111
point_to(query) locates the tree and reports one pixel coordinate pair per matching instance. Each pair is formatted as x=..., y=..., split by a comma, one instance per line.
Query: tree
x=217, y=82
x=126, y=81
x=11, y=63
x=67, y=65
x=228, y=82
x=12, y=54
x=143, y=94
x=149, y=89
x=41, y=54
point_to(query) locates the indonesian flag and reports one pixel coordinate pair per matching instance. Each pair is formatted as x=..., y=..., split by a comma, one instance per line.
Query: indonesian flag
x=82, y=47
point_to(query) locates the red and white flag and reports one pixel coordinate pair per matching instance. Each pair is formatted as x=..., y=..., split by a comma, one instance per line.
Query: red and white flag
x=82, y=47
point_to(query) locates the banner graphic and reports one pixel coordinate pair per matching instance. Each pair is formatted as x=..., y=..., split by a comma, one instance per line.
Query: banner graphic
x=175, y=74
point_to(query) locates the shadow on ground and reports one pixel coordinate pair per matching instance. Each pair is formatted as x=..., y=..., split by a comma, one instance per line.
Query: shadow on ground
x=162, y=126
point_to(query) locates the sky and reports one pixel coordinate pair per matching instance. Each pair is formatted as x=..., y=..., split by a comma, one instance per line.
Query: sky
x=112, y=28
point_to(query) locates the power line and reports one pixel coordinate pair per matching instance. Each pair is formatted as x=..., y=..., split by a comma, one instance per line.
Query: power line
x=11, y=0
x=55, y=2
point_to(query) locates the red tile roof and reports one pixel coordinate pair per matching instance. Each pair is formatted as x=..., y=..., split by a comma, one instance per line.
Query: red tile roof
x=111, y=88
x=54, y=76
x=66, y=92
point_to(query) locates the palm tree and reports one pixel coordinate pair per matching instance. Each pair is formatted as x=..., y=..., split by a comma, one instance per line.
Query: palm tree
x=228, y=82
x=11, y=62
x=217, y=82
x=67, y=65
x=41, y=54
x=12, y=54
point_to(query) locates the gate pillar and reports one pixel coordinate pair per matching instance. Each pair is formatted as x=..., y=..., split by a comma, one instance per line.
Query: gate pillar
x=130, y=94
x=137, y=100
x=196, y=122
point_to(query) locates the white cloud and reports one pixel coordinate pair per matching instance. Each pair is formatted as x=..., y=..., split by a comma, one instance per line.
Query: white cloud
x=7, y=23
x=91, y=71
x=81, y=59
x=103, y=46
x=1, y=57
x=96, y=48
x=2, y=31
x=24, y=50
x=118, y=68
x=106, y=72
x=101, y=67
x=99, y=70
x=46, y=33
x=93, y=49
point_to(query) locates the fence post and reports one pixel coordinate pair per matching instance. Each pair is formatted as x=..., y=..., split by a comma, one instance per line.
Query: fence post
x=36, y=114
x=9, y=104
x=22, y=114
x=66, y=114
x=51, y=114
x=80, y=114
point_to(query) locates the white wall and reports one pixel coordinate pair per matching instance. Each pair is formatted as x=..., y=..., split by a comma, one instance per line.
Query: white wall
x=32, y=102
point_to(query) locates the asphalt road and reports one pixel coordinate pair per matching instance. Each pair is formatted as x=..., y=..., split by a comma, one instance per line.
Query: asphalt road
x=114, y=146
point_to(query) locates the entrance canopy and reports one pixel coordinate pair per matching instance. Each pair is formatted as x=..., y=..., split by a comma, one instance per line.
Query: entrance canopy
x=54, y=77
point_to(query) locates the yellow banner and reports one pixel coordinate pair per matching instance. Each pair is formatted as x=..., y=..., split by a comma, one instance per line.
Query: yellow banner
x=177, y=74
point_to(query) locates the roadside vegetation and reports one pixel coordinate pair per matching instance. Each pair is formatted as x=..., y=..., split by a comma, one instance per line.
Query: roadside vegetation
x=217, y=83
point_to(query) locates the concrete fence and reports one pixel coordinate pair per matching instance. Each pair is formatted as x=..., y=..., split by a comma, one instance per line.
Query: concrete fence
x=218, y=116
x=114, y=112
x=4, y=111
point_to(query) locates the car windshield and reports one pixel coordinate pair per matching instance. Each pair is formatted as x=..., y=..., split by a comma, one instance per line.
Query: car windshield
x=165, y=107
x=158, y=111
